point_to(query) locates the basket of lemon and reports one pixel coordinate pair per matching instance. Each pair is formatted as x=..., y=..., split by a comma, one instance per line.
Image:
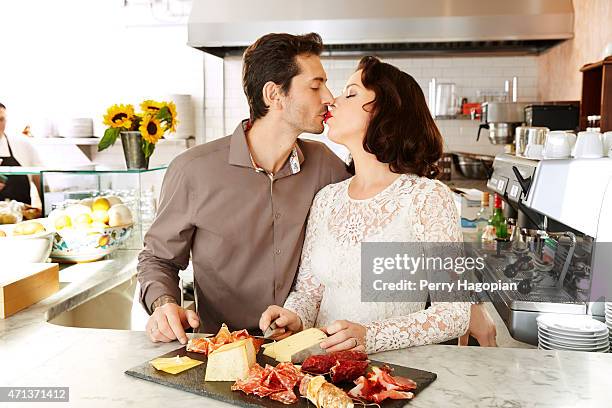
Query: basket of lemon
x=89, y=230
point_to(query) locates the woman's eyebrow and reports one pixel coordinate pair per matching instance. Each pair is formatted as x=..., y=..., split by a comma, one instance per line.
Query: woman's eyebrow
x=349, y=85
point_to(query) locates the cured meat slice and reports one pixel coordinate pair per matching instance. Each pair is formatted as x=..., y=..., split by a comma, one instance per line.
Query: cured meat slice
x=277, y=383
x=379, y=385
x=286, y=397
x=322, y=363
x=324, y=394
x=224, y=336
x=347, y=370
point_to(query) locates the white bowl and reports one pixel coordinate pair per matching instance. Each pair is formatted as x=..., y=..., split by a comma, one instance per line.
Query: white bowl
x=25, y=248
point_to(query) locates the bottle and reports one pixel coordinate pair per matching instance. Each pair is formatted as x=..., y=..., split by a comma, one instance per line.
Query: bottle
x=498, y=220
x=483, y=215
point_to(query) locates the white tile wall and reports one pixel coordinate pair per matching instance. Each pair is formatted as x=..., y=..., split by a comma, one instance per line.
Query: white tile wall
x=225, y=103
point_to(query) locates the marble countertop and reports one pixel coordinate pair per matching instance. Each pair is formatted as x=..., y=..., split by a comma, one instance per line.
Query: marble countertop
x=92, y=362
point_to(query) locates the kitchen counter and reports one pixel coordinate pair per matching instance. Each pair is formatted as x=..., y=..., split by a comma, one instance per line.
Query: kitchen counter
x=92, y=362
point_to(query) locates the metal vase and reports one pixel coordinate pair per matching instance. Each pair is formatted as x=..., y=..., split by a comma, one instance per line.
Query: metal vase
x=132, y=150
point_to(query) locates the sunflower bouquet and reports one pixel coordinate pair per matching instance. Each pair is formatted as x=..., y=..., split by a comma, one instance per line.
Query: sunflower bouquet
x=155, y=119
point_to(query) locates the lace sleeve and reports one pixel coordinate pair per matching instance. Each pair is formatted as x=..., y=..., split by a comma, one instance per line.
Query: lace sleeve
x=434, y=218
x=307, y=292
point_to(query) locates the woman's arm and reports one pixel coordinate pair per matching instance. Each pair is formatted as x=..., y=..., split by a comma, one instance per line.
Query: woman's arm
x=305, y=297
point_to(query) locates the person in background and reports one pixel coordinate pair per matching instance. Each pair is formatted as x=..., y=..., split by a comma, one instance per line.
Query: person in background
x=16, y=151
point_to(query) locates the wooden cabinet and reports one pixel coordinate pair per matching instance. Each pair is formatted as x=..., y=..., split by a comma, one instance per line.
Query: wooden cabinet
x=597, y=93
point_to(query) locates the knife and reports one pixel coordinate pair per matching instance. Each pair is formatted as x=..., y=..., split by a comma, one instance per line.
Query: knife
x=269, y=330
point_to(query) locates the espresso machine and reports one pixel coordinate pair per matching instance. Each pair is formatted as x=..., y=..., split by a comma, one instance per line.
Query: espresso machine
x=560, y=252
x=501, y=119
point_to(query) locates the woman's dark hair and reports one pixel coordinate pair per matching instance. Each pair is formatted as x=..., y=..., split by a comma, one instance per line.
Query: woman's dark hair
x=2, y=106
x=401, y=131
x=273, y=58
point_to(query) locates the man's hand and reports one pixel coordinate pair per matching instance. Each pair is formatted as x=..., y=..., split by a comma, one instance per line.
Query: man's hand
x=287, y=322
x=169, y=321
x=344, y=335
x=482, y=327
x=2, y=185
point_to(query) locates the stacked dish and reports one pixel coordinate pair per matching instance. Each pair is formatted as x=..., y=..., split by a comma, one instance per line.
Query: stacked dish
x=572, y=333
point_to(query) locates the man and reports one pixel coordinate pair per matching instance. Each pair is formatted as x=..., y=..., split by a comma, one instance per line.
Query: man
x=16, y=152
x=240, y=204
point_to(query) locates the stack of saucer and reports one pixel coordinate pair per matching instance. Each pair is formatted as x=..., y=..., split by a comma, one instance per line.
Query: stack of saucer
x=572, y=333
x=76, y=127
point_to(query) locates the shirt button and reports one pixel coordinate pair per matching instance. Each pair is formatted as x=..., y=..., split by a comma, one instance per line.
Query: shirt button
x=277, y=215
x=277, y=252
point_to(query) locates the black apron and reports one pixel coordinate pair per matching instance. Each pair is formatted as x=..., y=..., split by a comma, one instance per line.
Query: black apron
x=17, y=187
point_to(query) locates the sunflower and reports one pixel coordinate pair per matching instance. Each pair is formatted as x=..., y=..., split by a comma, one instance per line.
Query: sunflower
x=150, y=106
x=172, y=121
x=151, y=129
x=119, y=116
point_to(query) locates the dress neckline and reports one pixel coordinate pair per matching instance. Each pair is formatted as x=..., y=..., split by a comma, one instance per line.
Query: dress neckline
x=379, y=194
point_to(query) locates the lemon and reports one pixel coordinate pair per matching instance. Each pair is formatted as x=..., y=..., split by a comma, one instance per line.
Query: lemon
x=101, y=203
x=83, y=220
x=28, y=228
x=62, y=221
x=112, y=200
x=2, y=233
x=100, y=216
x=119, y=214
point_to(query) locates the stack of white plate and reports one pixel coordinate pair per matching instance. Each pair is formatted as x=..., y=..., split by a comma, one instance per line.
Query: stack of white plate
x=572, y=333
x=76, y=127
x=609, y=319
x=185, y=115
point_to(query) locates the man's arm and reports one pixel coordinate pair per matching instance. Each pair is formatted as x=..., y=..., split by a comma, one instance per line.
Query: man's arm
x=168, y=241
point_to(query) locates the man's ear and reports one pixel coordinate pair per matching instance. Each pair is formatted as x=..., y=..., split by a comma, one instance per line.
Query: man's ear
x=271, y=95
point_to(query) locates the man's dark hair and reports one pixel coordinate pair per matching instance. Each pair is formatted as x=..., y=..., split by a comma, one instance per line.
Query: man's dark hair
x=273, y=58
x=2, y=106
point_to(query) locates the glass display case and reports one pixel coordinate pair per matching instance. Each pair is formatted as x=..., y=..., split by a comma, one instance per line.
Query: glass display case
x=138, y=189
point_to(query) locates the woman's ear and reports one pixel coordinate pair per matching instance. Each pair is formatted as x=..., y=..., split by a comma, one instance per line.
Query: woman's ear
x=271, y=94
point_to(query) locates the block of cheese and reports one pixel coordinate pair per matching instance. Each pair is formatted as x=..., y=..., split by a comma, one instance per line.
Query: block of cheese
x=283, y=350
x=231, y=362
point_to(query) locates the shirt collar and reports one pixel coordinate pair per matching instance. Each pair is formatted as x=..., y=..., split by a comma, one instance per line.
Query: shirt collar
x=239, y=154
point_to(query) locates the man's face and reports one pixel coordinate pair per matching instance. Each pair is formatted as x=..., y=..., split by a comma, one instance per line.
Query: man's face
x=2, y=120
x=305, y=105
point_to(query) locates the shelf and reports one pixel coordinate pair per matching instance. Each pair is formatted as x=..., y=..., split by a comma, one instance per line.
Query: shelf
x=107, y=171
x=93, y=141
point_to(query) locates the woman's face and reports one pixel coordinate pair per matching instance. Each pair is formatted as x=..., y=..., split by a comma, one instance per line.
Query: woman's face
x=350, y=113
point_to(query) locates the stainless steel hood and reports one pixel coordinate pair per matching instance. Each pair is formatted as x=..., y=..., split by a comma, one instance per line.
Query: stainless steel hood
x=386, y=26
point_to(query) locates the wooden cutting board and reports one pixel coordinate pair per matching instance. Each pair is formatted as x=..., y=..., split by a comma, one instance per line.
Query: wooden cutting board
x=192, y=381
x=22, y=285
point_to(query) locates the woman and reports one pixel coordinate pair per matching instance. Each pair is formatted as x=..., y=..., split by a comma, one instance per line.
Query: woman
x=383, y=120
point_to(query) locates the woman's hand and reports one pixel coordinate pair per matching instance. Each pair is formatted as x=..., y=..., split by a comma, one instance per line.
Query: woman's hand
x=344, y=335
x=287, y=322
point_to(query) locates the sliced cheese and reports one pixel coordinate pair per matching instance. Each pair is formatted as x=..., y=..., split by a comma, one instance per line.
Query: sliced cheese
x=283, y=350
x=231, y=361
x=174, y=365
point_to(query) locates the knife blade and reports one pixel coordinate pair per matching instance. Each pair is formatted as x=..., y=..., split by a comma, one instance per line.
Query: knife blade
x=313, y=350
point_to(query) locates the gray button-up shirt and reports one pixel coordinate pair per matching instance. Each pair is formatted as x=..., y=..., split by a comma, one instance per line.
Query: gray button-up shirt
x=243, y=228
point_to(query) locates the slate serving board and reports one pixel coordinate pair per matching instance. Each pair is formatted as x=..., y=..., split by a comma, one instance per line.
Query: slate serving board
x=192, y=381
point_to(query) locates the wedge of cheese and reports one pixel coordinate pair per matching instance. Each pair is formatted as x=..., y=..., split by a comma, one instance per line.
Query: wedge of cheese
x=174, y=365
x=283, y=350
x=231, y=361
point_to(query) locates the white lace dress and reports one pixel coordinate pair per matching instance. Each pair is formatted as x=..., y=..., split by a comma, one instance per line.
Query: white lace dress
x=327, y=288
